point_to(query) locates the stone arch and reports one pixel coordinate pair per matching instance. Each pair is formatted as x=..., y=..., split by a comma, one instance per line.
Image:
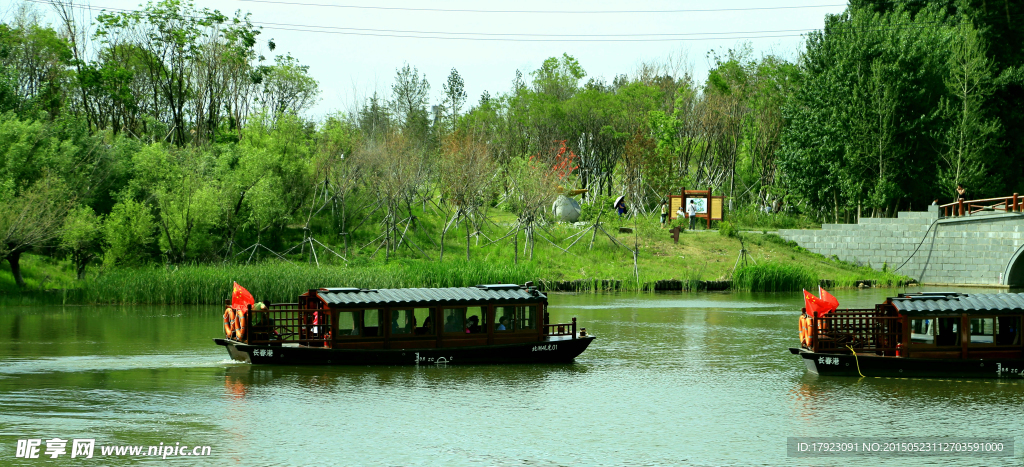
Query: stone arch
x=1014, y=274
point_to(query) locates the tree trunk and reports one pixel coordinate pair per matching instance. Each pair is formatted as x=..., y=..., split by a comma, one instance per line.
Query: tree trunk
x=15, y=259
x=467, y=238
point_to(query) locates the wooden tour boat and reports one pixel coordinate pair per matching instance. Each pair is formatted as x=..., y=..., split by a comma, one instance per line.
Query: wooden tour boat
x=931, y=334
x=504, y=323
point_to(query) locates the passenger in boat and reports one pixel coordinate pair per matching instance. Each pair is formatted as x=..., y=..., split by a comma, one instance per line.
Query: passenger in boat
x=428, y=327
x=473, y=325
x=947, y=334
x=503, y=324
x=1008, y=331
x=395, y=328
x=450, y=324
x=410, y=322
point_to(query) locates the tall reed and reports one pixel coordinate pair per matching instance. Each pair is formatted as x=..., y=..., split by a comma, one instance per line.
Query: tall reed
x=773, y=277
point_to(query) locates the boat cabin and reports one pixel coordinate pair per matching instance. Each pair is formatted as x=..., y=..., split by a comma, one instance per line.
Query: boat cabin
x=928, y=325
x=412, y=318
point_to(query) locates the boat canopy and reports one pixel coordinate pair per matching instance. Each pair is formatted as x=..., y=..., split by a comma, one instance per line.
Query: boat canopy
x=481, y=294
x=952, y=303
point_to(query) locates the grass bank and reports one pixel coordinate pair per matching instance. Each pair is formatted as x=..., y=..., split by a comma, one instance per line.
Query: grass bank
x=768, y=264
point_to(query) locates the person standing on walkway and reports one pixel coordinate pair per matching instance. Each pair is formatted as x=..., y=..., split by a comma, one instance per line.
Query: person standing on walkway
x=664, y=212
x=691, y=212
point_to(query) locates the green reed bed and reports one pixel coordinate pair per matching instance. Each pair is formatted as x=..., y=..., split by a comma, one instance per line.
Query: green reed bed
x=773, y=277
x=282, y=282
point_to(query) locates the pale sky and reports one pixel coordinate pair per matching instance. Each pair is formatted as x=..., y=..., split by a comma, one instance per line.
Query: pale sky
x=358, y=52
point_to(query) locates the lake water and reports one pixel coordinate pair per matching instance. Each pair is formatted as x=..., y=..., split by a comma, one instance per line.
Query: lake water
x=690, y=379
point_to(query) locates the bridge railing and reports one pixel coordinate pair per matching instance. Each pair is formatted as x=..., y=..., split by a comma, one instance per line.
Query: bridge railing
x=961, y=207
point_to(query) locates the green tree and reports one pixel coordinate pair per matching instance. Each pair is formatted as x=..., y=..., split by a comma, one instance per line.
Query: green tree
x=287, y=86
x=31, y=219
x=409, y=97
x=128, y=233
x=971, y=137
x=81, y=237
x=454, y=98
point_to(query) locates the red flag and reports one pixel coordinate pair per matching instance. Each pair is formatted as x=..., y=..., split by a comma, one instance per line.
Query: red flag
x=240, y=297
x=833, y=304
x=814, y=305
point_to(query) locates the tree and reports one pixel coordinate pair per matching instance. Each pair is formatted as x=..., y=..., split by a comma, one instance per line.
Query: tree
x=374, y=119
x=971, y=136
x=287, y=86
x=409, y=96
x=81, y=236
x=454, y=98
x=128, y=233
x=31, y=219
x=558, y=77
x=465, y=173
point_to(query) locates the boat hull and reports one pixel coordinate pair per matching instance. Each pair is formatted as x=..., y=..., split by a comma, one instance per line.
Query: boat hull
x=830, y=364
x=554, y=351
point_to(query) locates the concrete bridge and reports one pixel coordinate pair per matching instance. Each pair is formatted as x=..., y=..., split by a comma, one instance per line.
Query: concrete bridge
x=983, y=248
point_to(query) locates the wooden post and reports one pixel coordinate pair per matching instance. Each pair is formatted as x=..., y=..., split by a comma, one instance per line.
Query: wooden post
x=1016, y=207
x=960, y=204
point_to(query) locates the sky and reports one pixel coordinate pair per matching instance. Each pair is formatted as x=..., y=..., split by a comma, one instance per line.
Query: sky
x=354, y=47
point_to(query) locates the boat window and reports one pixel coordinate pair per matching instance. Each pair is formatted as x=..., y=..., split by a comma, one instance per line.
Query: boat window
x=983, y=330
x=526, y=317
x=424, y=321
x=476, y=320
x=347, y=324
x=948, y=332
x=371, y=322
x=1008, y=330
x=402, y=322
x=454, y=319
x=922, y=331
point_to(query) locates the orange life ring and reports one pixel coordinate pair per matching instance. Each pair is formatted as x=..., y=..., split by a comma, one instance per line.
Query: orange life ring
x=240, y=324
x=229, y=322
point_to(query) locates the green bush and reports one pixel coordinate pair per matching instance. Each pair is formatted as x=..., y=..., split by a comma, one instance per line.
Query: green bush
x=726, y=229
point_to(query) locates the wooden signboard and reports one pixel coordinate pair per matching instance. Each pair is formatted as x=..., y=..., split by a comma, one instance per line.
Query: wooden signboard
x=708, y=207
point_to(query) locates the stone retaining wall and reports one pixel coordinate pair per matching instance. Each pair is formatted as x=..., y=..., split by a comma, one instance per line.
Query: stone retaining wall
x=981, y=249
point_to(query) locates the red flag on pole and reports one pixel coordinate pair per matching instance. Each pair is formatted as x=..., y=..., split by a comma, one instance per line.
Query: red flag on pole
x=829, y=299
x=814, y=305
x=240, y=297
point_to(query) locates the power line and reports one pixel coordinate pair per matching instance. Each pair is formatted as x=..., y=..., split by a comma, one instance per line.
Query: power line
x=581, y=12
x=505, y=37
x=527, y=37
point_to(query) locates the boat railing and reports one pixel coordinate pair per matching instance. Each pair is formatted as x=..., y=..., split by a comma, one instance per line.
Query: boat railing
x=282, y=323
x=861, y=330
x=561, y=329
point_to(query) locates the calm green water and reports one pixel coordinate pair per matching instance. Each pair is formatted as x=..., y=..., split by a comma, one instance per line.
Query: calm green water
x=694, y=379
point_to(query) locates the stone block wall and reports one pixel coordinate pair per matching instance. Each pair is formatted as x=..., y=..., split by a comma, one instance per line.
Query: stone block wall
x=981, y=249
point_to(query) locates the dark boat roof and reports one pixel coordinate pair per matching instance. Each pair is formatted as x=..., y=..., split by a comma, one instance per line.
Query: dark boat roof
x=481, y=294
x=942, y=303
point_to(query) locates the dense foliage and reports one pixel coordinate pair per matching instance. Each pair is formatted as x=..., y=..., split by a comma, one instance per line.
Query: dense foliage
x=166, y=135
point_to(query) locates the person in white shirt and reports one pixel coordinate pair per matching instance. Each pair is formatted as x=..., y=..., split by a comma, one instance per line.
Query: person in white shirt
x=691, y=212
